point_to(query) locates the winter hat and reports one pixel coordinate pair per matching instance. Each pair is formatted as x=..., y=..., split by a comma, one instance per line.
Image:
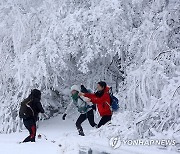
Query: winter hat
x=36, y=93
x=75, y=87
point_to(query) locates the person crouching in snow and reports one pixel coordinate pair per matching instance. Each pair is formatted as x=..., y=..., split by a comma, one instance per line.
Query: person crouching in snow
x=102, y=99
x=84, y=107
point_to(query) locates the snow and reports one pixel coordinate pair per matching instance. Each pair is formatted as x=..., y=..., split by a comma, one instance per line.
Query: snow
x=67, y=141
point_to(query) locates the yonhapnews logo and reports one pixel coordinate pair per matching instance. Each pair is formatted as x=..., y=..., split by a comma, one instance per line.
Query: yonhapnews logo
x=116, y=142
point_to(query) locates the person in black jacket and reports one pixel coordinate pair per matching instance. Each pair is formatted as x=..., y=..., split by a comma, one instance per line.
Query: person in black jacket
x=30, y=122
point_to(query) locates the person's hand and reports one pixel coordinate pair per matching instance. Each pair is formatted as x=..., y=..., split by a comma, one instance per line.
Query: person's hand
x=81, y=94
x=88, y=100
x=64, y=116
x=93, y=107
x=45, y=115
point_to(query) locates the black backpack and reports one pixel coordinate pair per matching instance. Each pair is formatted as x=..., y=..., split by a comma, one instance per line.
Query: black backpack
x=26, y=110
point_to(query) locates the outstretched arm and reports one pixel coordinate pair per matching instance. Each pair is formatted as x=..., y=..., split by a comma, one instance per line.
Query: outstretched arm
x=40, y=108
x=97, y=100
x=69, y=108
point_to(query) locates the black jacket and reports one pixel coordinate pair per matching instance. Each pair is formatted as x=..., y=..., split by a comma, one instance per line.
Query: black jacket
x=36, y=107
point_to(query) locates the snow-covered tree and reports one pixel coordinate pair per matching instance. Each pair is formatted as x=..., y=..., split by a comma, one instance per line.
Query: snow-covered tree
x=133, y=45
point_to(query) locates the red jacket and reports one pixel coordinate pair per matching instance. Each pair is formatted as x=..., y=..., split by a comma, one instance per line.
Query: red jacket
x=102, y=102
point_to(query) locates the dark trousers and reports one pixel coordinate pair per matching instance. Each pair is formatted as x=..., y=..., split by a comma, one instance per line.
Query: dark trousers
x=89, y=115
x=30, y=124
x=104, y=120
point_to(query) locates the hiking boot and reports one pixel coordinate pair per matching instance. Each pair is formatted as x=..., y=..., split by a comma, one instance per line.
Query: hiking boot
x=81, y=133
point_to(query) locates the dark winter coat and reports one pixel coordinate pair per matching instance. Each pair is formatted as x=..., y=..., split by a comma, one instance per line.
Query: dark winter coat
x=36, y=107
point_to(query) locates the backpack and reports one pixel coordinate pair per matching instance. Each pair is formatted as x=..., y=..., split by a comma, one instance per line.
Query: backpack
x=114, y=102
x=84, y=108
x=26, y=110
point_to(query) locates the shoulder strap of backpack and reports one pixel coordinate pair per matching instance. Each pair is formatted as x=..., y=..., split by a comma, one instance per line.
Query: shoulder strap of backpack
x=109, y=106
x=82, y=100
x=27, y=104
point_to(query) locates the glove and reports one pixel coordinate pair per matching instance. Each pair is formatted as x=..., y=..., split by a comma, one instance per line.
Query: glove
x=83, y=89
x=93, y=107
x=64, y=116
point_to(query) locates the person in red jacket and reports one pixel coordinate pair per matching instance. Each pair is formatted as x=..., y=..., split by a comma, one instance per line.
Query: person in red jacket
x=102, y=99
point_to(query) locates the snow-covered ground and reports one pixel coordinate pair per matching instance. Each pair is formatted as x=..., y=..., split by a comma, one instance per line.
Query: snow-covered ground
x=62, y=138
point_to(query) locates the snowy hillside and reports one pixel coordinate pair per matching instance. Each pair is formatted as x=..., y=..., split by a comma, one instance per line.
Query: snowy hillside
x=134, y=45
